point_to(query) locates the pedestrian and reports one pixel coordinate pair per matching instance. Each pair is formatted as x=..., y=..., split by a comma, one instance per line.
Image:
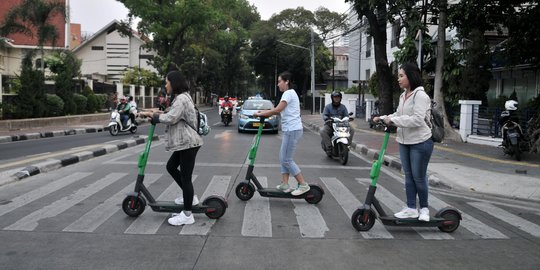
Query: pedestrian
x=182, y=140
x=291, y=126
x=414, y=139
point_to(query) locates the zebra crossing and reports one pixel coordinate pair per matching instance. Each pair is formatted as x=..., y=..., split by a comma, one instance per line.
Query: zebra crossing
x=253, y=218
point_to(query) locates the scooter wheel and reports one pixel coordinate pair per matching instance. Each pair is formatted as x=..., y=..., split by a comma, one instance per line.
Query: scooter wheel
x=133, y=129
x=133, y=206
x=245, y=191
x=215, y=207
x=113, y=130
x=363, y=221
x=452, y=219
x=343, y=154
x=314, y=195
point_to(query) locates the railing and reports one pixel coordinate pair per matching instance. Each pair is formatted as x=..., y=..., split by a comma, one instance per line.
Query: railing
x=487, y=122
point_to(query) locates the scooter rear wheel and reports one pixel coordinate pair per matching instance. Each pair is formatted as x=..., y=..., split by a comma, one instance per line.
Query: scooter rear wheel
x=245, y=191
x=133, y=129
x=133, y=206
x=216, y=207
x=452, y=219
x=314, y=195
x=363, y=221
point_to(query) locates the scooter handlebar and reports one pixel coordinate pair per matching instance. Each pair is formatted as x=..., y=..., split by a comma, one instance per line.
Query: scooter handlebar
x=261, y=119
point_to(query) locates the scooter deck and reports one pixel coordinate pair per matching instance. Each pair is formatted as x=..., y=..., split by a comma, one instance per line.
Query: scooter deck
x=412, y=222
x=277, y=193
x=171, y=207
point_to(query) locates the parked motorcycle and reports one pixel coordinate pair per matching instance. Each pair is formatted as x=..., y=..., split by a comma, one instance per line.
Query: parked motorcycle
x=115, y=126
x=514, y=142
x=226, y=115
x=340, y=139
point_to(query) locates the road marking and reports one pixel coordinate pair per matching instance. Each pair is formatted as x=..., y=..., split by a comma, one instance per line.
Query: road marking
x=41, y=192
x=238, y=165
x=391, y=201
x=30, y=222
x=257, y=218
x=349, y=204
x=150, y=222
x=310, y=220
x=90, y=221
x=509, y=218
x=226, y=133
x=218, y=186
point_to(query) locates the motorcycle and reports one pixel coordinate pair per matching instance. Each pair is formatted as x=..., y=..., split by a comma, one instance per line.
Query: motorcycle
x=340, y=138
x=226, y=115
x=514, y=142
x=115, y=126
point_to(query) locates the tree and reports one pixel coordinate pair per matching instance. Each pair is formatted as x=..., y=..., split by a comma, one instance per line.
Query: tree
x=66, y=66
x=31, y=96
x=141, y=76
x=33, y=15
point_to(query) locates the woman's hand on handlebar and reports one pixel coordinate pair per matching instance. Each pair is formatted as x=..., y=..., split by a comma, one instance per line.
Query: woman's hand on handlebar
x=383, y=118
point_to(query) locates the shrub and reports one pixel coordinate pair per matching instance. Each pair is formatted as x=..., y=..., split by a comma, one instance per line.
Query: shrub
x=101, y=101
x=80, y=102
x=54, y=104
x=92, y=104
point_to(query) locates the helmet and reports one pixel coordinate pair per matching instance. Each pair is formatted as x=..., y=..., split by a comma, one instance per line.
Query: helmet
x=122, y=98
x=130, y=98
x=337, y=94
x=511, y=105
x=226, y=98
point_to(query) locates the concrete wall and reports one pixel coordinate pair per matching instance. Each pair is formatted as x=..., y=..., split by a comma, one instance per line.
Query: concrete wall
x=53, y=121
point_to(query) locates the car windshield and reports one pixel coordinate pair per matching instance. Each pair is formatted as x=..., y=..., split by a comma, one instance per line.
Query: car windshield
x=258, y=105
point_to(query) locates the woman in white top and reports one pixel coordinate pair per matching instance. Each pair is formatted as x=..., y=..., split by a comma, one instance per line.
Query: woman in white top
x=292, y=129
x=414, y=138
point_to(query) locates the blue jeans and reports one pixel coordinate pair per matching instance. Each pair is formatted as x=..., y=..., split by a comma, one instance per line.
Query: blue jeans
x=288, y=145
x=414, y=160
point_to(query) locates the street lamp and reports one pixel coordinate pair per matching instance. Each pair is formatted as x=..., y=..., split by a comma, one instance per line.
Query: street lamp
x=312, y=56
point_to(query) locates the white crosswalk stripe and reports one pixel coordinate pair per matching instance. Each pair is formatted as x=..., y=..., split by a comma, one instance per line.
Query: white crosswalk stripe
x=41, y=192
x=257, y=219
x=349, y=203
x=509, y=218
x=31, y=221
x=218, y=186
x=310, y=220
x=97, y=216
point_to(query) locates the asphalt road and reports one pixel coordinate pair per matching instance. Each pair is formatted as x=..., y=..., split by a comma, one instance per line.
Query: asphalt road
x=71, y=218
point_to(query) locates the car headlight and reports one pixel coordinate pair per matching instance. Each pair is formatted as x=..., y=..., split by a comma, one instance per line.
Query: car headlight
x=243, y=116
x=272, y=117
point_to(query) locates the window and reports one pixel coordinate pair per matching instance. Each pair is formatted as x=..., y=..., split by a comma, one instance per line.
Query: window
x=97, y=48
x=368, y=74
x=368, y=46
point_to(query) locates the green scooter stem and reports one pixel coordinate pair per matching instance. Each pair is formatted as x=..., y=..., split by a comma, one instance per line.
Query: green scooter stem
x=143, y=157
x=255, y=146
x=376, y=167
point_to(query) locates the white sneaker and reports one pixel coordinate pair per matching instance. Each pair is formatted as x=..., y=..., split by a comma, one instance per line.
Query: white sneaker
x=407, y=213
x=300, y=189
x=424, y=214
x=180, y=200
x=181, y=219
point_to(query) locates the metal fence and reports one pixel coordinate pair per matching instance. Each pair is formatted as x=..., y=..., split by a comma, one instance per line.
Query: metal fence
x=487, y=122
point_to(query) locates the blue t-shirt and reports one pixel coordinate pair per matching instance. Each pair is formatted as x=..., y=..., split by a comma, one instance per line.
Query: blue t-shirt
x=290, y=116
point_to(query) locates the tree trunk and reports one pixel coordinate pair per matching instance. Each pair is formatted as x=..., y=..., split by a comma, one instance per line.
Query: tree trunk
x=450, y=133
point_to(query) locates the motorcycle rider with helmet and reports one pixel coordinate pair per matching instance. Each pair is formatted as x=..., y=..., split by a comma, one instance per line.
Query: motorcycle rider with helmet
x=333, y=109
x=123, y=109
x=226, y=104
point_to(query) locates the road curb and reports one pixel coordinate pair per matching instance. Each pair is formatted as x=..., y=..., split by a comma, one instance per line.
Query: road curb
x=54, y=164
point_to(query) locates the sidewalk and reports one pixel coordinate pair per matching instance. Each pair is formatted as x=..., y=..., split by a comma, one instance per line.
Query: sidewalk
x=455, y=165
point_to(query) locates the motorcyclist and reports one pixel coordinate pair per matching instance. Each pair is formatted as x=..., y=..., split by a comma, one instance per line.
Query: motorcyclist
x=226, y=104
x=334, y=109
x=123, y=109
x=132, y=109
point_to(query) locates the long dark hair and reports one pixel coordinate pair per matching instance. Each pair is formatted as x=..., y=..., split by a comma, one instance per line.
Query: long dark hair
x=287, y=76
x=413, y=75
x=178, y=82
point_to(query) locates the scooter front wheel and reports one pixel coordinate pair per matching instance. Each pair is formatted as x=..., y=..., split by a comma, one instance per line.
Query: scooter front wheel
x=452, y=219
x=314, y=195
x=343, y=154
x=114, y=129
x=133, y=206
x=215, y=207
x=245, y=191
x=362, y=220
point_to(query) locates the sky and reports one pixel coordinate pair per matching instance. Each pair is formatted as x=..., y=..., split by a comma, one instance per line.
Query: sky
x=95, y=14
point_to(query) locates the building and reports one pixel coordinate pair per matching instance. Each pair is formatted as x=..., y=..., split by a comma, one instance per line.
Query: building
x=337, y=77
x=107, y=54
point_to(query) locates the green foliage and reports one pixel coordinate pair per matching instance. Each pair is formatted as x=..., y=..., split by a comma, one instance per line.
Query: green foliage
x=66, y=66
x=101, y=101
x=92, y=104
x=32, y=92
x=55, y=105
x=373, y=85
x=80, y=102
x=141, y=76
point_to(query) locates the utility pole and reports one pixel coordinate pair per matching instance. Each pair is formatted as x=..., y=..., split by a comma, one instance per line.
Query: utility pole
x=333, y=68
x=312, y=72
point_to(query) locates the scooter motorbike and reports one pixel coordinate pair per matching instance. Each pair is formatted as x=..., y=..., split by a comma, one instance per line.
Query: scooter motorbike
x=115, y=126
x=514, y=141
x=135, y=202
x=340, y=138
x=246, y=189
x=363, y=219
x=226, y=115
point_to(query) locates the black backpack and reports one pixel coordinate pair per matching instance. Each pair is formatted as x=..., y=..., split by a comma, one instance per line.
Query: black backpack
x=436, y=122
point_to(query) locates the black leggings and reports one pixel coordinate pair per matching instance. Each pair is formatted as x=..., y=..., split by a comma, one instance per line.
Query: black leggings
x=185, y=159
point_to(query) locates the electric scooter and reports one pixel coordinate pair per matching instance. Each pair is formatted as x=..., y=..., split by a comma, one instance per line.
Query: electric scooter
x=363, y=219
x=245, y=189
x=134, y=204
